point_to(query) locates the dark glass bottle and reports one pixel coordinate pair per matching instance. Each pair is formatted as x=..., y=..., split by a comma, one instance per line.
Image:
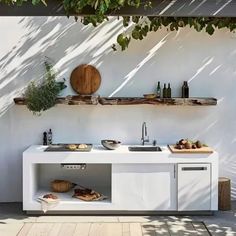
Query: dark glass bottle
x=169, y=91
x=45, y=139
x=50, y=137
x=164, y=91
x=185, y=90
x=158, y=89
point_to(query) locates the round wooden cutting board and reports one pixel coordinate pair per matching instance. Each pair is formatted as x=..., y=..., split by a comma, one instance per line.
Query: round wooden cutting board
x=85, y=79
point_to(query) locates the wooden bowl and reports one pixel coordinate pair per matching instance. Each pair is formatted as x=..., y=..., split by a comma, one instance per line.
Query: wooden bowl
x=61, y=186
x=150, y=96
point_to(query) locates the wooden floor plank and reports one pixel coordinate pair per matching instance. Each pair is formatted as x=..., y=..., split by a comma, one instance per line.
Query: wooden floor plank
x=82, y=229
x=67, y=229
x=25, y=229
x=55, y=229
x=200, y=228
x=135, y=229
x=97, y=229
x=114, y=229
x=125, y=229
x=40, y=229
x=105, y=229
x=157, y=228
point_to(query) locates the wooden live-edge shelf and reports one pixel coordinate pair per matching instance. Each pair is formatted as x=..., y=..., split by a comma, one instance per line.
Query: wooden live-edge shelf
x=68, y=100
x=94, y=100
x=157, y=101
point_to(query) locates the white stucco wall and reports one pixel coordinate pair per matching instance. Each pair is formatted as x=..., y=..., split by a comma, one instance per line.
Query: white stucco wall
x=207, y=62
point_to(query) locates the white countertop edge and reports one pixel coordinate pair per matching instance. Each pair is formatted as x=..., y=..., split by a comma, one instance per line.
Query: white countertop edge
x=100, y=149
x=36, y=154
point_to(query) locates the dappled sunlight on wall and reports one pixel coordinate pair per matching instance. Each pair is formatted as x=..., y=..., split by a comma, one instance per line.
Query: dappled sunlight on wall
x=207, y=62
x=62, y=40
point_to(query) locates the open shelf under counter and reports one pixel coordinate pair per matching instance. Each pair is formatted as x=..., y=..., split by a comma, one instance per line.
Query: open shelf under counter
x=67, y=202
x=66, y=198
x=95, y=176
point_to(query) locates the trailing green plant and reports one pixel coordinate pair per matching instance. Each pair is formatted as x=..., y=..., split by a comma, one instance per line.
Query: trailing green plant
x=41, y=97
x=142, y=25
x=135, y=27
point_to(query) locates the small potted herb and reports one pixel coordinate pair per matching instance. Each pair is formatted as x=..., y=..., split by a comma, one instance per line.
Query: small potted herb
x=41, y=97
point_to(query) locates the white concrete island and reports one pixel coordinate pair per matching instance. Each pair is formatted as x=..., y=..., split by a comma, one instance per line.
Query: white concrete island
x=132, y=181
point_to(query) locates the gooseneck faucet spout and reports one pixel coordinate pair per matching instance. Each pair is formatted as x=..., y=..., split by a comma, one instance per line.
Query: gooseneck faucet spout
x=145, y=137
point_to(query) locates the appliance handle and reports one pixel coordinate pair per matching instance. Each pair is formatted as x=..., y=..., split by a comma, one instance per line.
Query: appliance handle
x=195, y=168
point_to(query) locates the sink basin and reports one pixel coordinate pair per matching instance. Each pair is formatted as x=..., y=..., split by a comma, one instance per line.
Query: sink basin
x=144, y=149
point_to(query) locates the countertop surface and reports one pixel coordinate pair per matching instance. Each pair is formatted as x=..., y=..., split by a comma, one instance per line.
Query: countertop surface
x=98, y=149
x=98, y=154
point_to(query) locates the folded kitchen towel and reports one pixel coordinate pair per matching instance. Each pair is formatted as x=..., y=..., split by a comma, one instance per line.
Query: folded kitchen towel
x=48, y=203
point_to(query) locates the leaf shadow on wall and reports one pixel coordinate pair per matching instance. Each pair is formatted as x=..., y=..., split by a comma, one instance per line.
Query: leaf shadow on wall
x=55, y=38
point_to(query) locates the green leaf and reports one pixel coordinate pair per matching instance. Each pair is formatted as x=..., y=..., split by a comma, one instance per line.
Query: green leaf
x=232, y=27
x=121, y=2
x=135, y=19
x=107, y=2
x=126, y=20
x=146, y=28
x=35, y=2
x=147, y=5
x=197, y=26
x=165, y=21
x=209, y=29
x=135, y=34
x=143, y=32
x=140, y=37
x=96, y=4
x=120, y=38
x=173, y=26
x=221, y=24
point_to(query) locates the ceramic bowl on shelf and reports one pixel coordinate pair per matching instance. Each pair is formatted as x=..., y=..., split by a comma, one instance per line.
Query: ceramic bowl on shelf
x=150, y=96
x=110, y=144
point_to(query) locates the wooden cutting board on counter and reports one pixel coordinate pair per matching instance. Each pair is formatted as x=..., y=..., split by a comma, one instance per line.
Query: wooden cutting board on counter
x=85, y=79
x=198, y=150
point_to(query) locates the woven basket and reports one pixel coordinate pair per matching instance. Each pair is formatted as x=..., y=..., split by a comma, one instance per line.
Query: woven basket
x=61, y=186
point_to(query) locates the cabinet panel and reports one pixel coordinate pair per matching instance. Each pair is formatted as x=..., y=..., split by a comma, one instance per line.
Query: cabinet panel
x=144, y=186
x=194, y=187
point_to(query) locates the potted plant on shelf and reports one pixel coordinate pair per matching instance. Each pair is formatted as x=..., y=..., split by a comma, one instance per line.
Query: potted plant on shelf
x=42, y=96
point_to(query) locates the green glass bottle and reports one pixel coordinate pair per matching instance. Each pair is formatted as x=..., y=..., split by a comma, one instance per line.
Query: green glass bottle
x=158, y=89
x=164, y=91
x=185, y=90
x=169, y=91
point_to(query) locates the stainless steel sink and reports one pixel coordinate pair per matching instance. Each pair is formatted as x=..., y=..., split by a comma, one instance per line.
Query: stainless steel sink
x=144, y=149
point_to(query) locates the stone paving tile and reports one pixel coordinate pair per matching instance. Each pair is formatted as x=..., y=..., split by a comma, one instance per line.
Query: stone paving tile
x=219, y=229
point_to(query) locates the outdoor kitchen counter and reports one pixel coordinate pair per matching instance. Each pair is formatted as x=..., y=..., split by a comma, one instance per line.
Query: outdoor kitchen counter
x=36, y=154
x=132, y=181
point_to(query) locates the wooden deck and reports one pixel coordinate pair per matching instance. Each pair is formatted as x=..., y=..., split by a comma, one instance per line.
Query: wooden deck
x=114, y=229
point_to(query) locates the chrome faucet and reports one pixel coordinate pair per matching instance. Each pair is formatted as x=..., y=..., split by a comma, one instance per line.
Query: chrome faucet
x=144, y=138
